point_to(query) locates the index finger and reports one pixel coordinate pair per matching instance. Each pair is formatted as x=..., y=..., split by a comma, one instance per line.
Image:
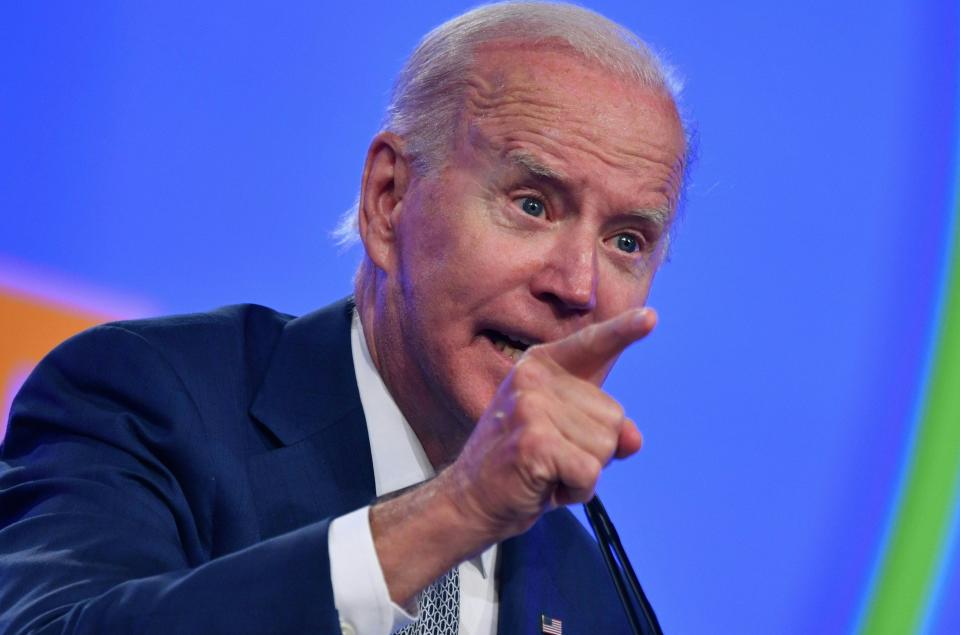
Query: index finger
x=589, y=353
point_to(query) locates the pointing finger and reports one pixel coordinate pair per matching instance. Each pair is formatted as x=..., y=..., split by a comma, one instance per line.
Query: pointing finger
x=591, y=351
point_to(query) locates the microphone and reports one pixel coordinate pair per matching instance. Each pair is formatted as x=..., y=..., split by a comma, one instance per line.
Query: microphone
x=630, y=592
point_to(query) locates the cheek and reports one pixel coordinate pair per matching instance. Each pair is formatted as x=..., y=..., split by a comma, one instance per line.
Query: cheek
x=455, y=256
x=437, y=267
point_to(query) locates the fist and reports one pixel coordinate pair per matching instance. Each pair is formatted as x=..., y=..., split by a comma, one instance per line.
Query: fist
x=549, y=430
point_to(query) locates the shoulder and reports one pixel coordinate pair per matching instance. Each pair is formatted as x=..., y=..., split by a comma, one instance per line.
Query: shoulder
x=176, y=368
x=137, y=365
x=242, y=335
x=189, y=348
x=227, y=331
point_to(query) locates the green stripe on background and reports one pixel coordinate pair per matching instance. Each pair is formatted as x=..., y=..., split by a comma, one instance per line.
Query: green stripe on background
x=912, y=558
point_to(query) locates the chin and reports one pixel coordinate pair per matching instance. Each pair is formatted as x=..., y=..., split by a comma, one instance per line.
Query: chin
x=471, y=401
x=465, y=382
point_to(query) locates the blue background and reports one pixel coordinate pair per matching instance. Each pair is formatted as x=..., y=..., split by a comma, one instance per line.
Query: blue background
x=183, y=156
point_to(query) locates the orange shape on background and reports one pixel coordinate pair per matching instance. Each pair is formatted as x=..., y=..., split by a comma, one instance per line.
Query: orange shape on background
x=29, y=328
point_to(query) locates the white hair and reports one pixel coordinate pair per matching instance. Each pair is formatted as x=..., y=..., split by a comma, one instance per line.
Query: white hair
x=427, y=96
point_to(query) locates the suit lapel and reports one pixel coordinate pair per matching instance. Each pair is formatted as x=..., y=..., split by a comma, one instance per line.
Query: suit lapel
x=309, y=403
x=527, y=580
x=555, y=569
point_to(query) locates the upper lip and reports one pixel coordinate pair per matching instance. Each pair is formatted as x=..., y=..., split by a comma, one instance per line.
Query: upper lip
x=525, y=339
x=529, y=331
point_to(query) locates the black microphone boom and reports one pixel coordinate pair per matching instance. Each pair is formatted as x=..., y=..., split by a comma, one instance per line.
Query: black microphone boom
x=613, y=553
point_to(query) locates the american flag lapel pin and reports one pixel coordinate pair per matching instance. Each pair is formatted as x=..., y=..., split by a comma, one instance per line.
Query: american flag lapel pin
x=550, y=625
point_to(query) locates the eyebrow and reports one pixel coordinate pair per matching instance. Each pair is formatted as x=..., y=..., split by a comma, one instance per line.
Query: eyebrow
x=536, y=167
x=656, y=215
x=529, y=163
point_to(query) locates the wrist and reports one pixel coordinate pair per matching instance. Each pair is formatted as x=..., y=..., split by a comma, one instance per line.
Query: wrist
x=423, y=533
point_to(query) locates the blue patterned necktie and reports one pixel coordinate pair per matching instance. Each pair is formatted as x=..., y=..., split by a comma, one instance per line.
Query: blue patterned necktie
x=439, y=607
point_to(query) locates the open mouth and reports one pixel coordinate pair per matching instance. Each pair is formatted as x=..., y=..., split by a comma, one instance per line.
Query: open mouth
x=511, y=346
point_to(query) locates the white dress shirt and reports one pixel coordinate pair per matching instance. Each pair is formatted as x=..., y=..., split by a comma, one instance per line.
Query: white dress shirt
x=359, y=589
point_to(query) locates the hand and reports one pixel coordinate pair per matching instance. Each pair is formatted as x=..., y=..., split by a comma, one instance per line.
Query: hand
x=542, y=442
x=549, y=430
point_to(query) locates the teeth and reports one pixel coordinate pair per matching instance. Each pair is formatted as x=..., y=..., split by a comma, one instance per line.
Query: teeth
x=513, y=353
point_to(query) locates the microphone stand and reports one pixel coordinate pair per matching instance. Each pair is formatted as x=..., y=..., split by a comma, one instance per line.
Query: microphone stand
x=629, y=589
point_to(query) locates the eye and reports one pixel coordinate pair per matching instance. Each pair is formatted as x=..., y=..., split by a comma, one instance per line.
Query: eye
x=532, y=206
x=627, y=243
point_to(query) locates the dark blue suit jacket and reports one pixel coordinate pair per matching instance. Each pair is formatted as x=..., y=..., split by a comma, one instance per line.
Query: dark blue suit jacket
x=178, y=475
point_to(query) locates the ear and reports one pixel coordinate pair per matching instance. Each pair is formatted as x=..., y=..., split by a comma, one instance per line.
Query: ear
x=385, y=180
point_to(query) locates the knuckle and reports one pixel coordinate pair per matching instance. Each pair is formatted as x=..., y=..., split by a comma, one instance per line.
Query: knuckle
x=538, y=475
x=608, y=410
x=592, y=471
x=532, y=443
x=586, y=473
x=614, y=412
x=527, y=404
x=608, y=445
x=527, y=371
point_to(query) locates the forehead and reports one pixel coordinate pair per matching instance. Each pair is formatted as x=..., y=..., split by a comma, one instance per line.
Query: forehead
x=574, y=116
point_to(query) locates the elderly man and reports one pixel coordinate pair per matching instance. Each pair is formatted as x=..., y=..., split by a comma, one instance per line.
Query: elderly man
x=245, y=471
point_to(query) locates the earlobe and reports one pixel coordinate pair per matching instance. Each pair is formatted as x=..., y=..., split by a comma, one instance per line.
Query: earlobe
x=385, y=180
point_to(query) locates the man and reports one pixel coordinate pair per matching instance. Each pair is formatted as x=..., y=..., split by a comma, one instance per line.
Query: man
x=217, y=472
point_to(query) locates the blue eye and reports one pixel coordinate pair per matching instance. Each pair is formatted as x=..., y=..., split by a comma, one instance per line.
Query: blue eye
x=532, y=206
x=627, y=243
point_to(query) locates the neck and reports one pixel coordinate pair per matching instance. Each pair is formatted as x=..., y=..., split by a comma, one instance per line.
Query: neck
x=437, y=429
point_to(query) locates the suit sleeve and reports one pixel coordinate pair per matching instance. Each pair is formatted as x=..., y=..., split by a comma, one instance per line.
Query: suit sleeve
x=106, y=492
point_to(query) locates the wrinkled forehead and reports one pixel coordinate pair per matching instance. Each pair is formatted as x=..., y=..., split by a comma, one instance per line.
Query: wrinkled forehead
x=557, y=106
x=555, y=90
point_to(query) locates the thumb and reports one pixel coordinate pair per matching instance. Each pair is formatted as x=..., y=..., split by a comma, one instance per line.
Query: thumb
x=589, y=353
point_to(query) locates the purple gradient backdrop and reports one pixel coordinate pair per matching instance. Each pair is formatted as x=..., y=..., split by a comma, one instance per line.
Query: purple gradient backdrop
x=185, y=156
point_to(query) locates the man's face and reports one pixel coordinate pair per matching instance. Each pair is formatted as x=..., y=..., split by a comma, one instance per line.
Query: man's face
x=550, y=214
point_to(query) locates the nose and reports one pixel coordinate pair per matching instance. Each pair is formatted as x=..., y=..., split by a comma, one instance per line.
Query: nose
x=568, y=275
